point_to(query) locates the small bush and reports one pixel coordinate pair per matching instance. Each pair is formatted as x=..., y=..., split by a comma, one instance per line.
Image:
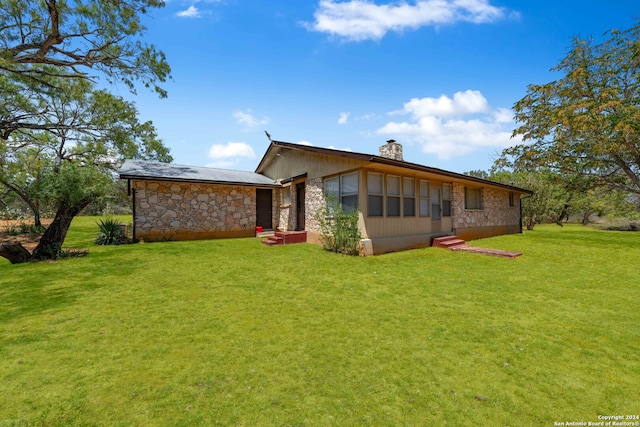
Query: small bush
x=23, y=228
x=111, y=232
x=339, y=230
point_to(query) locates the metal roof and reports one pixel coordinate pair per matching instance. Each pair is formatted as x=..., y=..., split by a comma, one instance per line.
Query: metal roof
x=148, y=170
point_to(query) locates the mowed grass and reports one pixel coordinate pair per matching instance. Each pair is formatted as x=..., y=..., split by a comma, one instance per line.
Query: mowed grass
x=232, y=332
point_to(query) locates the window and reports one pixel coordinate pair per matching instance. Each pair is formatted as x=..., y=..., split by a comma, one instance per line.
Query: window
x=436, y=212
x=332, y=190
x=375, y=190
x=409, y=197
x=349, y=192
x=473, y=198
x=393, y=195
x=512, y=200
x=342, y=189
x=424, y=198
x=446, y=199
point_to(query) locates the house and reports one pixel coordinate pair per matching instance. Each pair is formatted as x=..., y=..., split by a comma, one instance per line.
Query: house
x=401, y=204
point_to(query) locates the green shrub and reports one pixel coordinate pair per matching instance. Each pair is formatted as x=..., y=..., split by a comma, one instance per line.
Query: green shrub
x=339, y=230
x=112, y=232
x=23, y=228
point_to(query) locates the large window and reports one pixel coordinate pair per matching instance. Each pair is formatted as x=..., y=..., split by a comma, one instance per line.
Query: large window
x=349, y=192
x=393, y=195
x=446, y=199
x=436, y=206
x=473, y=198
x=408, y=197
x=424, y=197
x=342, y=189
x=375, y=188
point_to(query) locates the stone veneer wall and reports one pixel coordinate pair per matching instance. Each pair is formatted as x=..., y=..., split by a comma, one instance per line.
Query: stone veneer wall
x=184, y=211
x=313, y=204
x=285, y=219
x=496, y=212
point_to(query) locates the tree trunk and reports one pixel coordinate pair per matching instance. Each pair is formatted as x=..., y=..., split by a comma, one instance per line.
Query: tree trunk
x=14, y=252
x=50, y=244
x=564, y=214
x=25, y=198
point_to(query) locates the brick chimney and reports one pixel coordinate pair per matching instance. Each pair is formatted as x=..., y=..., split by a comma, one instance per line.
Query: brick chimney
x=391, y=150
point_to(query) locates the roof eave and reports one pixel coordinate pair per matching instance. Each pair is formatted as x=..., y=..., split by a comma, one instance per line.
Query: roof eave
x=460, y=176
x=199, y=181
x=383, y=160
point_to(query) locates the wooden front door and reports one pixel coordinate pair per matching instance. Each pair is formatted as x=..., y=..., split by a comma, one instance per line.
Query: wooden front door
x=263, y=208
x=300, y=211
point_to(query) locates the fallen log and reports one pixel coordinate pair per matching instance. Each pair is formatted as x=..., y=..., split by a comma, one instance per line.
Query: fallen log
x=14, y=252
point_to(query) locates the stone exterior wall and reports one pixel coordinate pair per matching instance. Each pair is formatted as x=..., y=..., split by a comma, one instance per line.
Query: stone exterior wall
x=496, y=211
x=314, y=203
x=183, y=211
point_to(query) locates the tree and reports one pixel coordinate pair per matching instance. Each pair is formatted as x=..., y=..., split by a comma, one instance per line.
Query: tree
x=65, y=155
x=586, y=123
x=71, y=188
x=52, y=53
x=79, y=39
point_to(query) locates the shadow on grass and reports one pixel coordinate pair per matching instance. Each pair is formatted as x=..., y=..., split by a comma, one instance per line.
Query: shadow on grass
x=36, y=287
x=25, y=298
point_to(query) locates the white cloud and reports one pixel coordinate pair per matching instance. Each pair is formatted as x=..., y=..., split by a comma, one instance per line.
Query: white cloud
x=231, y=150
x=190, y=12
x=305, y=143
x=343, y=119
x=358, y=20
x=468, y=102
x=249, y=120
x=503, y=115
x=451, y=127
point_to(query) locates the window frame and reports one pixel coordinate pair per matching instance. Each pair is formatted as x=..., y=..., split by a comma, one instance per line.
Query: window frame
x=377, y=196
x=340, y=195
x=408, y=200
x=349, y=208
x=447, y=196
x=426, y=199
x=478, y=198
x=396, y=199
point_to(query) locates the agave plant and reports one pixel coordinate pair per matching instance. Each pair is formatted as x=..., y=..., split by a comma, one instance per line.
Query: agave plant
x=111, y=232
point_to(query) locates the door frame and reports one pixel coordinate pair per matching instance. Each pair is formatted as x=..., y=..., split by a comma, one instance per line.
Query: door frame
x=300, y=206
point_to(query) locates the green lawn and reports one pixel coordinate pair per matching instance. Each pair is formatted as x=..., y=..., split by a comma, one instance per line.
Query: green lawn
x=232, y=332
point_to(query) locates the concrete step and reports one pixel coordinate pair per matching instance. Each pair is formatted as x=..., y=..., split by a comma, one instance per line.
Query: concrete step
x=447, y=242
x=286, y=238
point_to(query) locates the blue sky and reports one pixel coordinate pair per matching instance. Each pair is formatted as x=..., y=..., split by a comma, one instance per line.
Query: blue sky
x=438, y=76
